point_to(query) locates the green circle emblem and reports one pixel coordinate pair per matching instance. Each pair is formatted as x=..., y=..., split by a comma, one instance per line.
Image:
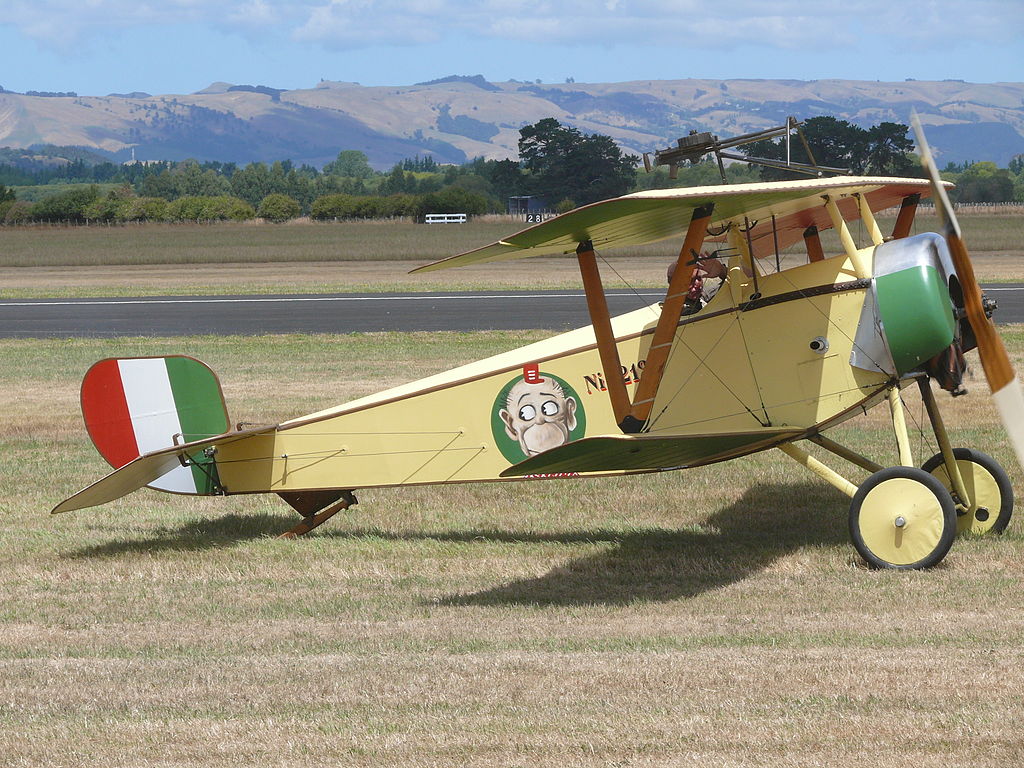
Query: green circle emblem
x=542, y=413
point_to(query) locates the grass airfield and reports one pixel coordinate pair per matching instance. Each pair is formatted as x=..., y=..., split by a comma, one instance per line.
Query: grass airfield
x=716, y=616
x=316, y=257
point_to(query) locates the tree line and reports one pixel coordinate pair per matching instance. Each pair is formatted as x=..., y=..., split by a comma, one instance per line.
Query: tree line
x=558, y=164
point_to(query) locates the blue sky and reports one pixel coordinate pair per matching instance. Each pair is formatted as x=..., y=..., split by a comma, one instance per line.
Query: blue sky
x=95, y=47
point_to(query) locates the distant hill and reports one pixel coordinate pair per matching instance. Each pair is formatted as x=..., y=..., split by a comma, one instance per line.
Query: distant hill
x=460, y=117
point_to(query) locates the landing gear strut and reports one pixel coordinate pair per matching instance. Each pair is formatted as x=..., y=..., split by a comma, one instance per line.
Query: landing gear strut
x=903, y=517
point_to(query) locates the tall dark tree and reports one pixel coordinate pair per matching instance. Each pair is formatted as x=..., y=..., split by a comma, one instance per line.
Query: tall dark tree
x=398, y=181
x=888, y=151
x=251, y=183
x=882, y=150
x=563, y=163
x=506, y=178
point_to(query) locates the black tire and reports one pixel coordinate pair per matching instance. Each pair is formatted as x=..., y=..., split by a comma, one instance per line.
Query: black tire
x=902, y=518
x=988, y=515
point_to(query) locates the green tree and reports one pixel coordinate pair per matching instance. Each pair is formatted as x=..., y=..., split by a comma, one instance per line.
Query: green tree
x=143, y=209
x=333, y=207
x=159, y=184
x=400, y=205
x=192, y=181
x=20, y=212
x=217, y=208
x=506, y=178
x=888, y=151
x=984, y=183
x=338, y=185
x=186, y=209
x=7, y=200
x=66, y=206
x=278, y=208
x=478, y=185
x=351, y=163
x=102, y=209
x=452, y=200
x=563, y=163
x=251, y=183
x=700, y=174
x=398, y=181
x=882, y=150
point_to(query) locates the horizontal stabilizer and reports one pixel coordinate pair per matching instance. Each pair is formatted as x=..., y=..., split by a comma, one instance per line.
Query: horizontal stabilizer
x=144, y=470
x=136, y=474
x=617, y=453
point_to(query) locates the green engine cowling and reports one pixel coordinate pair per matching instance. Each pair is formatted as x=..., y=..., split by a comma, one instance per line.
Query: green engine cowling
x=910, y=315
x=916, y=313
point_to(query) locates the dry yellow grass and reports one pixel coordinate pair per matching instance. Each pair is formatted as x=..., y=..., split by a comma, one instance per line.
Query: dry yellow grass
x=644, y=272
x=716, y=617
x=319, y=277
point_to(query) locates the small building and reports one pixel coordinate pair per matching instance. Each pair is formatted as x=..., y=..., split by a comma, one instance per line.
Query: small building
x=526, y=204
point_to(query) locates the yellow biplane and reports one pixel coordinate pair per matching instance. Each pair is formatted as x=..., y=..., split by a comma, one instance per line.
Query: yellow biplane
x=776, y=357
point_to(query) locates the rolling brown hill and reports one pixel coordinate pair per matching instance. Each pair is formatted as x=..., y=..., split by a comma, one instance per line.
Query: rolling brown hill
x=459, y=118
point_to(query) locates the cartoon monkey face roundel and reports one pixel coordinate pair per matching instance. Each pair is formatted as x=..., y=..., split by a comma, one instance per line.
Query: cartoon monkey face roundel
x=534, y=413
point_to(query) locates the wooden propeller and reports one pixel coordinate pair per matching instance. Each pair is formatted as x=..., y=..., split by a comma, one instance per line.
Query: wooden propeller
x=1006, y=389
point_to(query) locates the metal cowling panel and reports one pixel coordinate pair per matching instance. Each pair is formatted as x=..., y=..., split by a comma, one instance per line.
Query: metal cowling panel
x=916, y=314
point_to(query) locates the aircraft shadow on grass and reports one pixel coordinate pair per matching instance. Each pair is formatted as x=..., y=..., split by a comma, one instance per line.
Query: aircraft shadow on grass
x=656, y=564
x=646, y=564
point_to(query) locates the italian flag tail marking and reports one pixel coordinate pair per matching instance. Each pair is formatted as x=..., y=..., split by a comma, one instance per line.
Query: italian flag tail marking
x=136, y=405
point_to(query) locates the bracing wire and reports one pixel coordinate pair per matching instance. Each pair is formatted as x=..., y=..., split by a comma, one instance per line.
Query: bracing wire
x=635, y=292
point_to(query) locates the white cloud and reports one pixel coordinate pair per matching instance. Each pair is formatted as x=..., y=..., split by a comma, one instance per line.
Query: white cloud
x=341, y=24
x=688, y=24
x=253, y=13
x=62, y=23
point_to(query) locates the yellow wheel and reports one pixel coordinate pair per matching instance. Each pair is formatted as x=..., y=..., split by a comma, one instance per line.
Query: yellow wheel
x=988, y=486
x=902, y=517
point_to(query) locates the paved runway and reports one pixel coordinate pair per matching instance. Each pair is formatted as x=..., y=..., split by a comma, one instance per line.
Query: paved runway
x=339, y=313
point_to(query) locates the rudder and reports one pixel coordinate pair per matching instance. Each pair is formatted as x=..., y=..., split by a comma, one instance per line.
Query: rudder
x=136, y=405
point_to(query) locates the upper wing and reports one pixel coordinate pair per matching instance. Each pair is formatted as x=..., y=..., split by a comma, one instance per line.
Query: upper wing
x=646, y=217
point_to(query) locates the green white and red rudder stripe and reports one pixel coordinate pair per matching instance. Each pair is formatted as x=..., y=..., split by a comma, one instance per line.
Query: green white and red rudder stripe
x=136, y=405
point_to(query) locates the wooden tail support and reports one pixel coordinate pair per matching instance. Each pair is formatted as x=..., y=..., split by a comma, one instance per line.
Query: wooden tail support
x=302, y=504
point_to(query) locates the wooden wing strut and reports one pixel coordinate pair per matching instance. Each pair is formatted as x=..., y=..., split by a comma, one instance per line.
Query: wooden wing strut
x=905, y=219
x=671, y=312
x=813, y=243
x=597, y=304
